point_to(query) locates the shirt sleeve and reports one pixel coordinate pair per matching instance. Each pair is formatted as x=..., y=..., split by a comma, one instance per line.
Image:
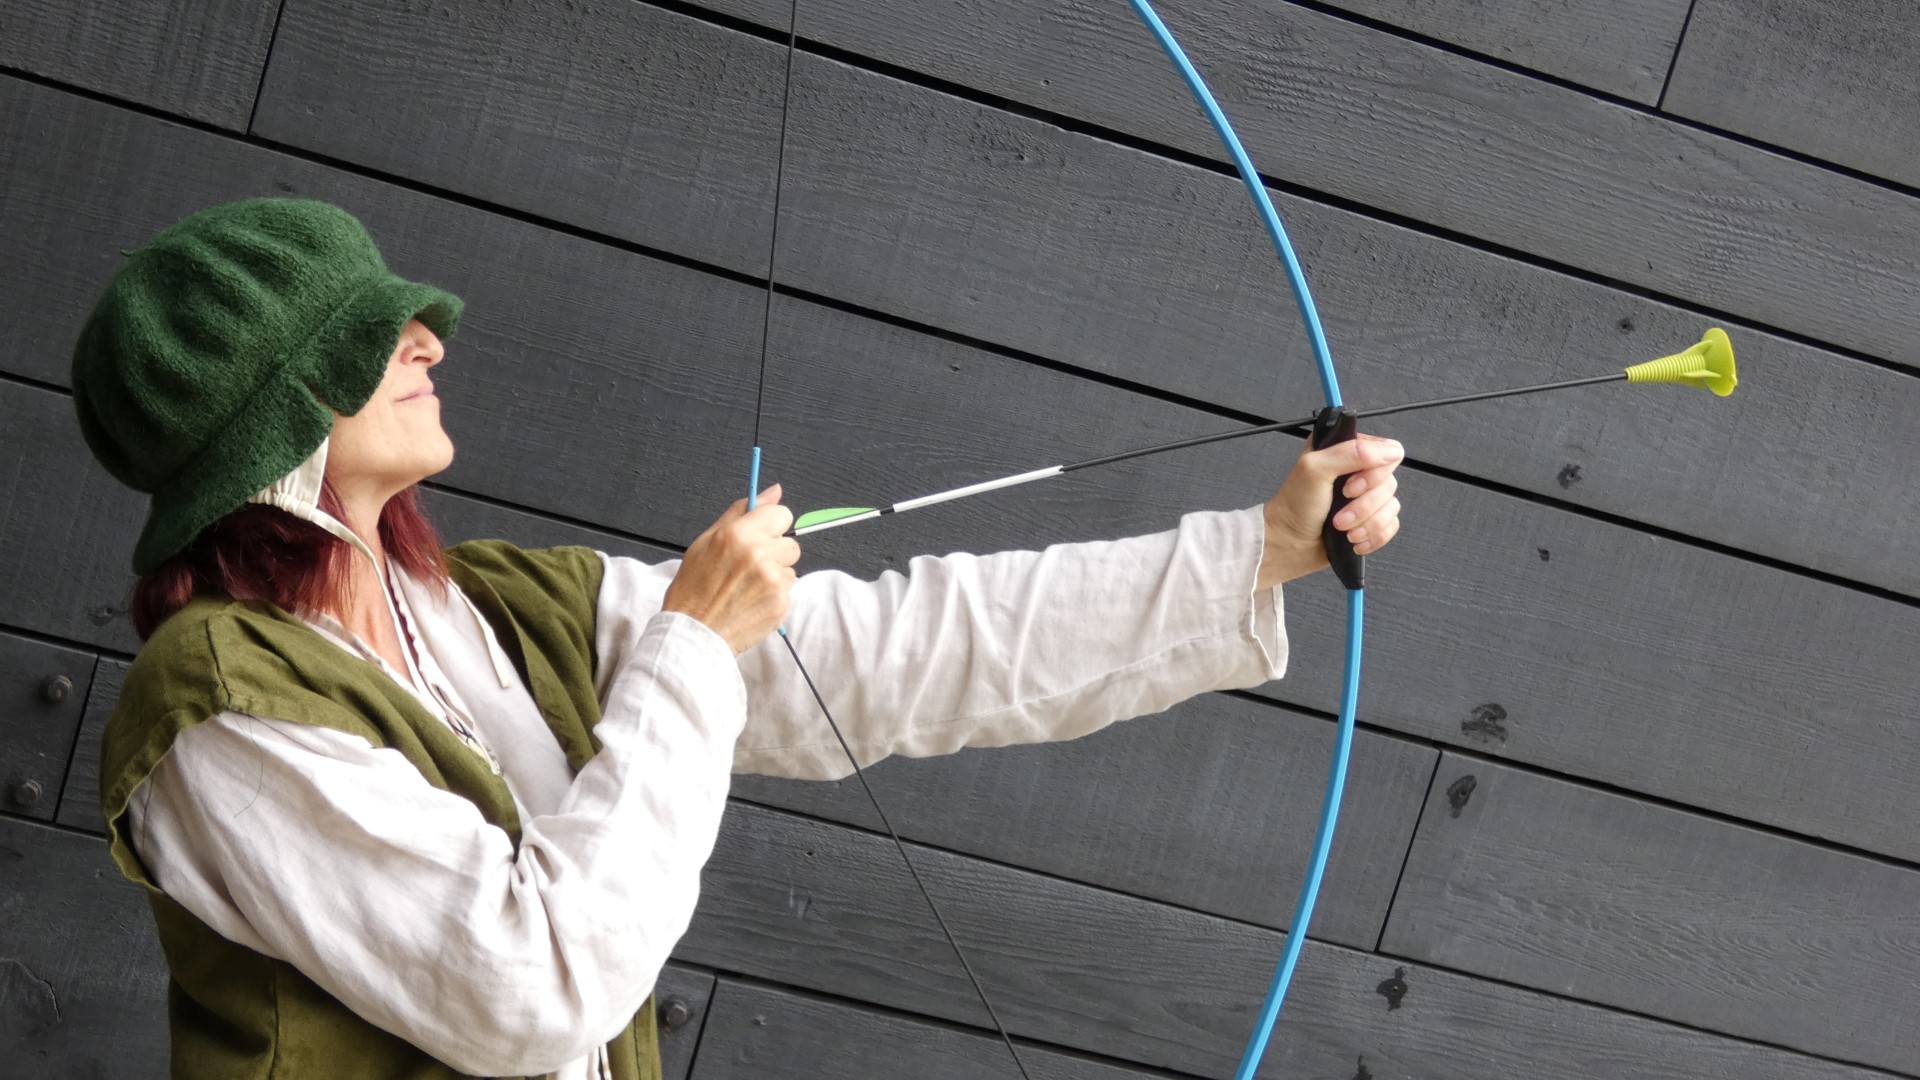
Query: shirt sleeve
x=398, y=898
x=1016, y=647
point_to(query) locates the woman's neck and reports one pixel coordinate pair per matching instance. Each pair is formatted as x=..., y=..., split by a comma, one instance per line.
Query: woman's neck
x=369, y=615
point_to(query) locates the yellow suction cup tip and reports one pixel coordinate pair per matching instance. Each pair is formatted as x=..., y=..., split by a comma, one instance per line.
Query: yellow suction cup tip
x=1708, y=365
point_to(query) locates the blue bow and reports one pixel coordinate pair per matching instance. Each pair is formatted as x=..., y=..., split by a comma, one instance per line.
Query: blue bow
x=1356, y=597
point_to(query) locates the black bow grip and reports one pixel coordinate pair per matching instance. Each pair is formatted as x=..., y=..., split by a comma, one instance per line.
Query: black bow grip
x=1331, y=426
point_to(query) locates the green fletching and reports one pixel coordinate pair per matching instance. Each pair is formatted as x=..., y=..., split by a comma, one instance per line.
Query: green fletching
x=1708, y=365
x=821, y=517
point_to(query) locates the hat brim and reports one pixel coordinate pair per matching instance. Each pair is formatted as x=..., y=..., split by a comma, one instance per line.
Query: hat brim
x=287, y=419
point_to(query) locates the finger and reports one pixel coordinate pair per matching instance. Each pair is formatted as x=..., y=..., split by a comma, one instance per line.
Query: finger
x=1371, y=480
x=725, y=521
x=771, y=495
x=1366, y=506
x=1375, y=525
x=786, y=551
x=1375, y=543
x=769, y=519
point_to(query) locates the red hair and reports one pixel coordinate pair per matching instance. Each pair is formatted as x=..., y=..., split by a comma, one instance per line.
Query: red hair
x=261, y=552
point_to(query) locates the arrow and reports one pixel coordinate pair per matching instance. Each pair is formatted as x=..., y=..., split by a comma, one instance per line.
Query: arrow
x=1708, y=365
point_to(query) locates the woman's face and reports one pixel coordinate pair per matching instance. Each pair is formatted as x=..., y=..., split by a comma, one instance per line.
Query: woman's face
x=395, y=440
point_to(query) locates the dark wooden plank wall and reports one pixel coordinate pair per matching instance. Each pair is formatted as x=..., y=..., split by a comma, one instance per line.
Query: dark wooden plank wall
x=198, y=58
x=1633, y=794
x=1833, y=79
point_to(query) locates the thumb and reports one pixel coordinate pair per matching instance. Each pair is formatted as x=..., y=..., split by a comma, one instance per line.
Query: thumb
x=1354, y=455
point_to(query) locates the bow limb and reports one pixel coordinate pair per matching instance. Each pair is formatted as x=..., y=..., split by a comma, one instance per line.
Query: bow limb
x=1356, y=597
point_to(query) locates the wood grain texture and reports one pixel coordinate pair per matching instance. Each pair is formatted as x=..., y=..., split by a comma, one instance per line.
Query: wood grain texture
x=459, y=517
x=1206, y=806
x=67, y=527
x=80, y=801
x=827, y=908
x=82, y=981
x=197, y=58
x=759, y=1032
x=1442, y=139
x=1830, y=78
x=1015, y=232
x=38, y=720
x=1537, y=881
x=77, y=201
x=1603, y=652
x=606, y=114
x=1620, y=48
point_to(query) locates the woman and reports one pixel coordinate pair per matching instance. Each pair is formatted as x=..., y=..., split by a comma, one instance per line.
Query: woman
x=405, y=812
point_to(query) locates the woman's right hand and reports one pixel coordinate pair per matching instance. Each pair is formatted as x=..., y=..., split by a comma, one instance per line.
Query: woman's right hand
x=737, y=576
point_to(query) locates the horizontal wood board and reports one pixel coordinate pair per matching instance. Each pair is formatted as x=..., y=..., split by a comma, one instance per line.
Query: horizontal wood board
x=1830, y=78
x=758, y=1031
x=67, y=527
x=82, y=980
x=826, y=908
x=1537, y=881
x=196, y=58
x=1199, y=806
x=1618, y=48
x=460, y=517
x=615, y=116
x=1457, y=144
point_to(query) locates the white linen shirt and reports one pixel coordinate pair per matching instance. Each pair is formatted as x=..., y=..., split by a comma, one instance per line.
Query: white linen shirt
x=311, y=846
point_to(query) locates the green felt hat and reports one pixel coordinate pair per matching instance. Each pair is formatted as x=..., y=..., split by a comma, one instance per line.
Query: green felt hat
x=206, y=370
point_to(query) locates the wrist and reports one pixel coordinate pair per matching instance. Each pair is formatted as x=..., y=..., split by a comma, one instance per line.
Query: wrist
x=1280, y=564
x=1286, y=555
x=700, y=615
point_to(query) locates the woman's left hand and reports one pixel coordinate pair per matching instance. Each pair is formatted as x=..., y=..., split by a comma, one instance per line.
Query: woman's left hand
x=1295, y=513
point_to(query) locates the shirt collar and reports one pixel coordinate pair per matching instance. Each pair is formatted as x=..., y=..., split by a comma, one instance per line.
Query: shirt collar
x=298, y=493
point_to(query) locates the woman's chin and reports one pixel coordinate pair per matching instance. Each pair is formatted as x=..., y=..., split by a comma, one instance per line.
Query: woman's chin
x=430, y=466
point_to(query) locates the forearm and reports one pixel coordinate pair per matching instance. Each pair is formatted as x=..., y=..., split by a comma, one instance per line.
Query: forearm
x=1016, y=647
